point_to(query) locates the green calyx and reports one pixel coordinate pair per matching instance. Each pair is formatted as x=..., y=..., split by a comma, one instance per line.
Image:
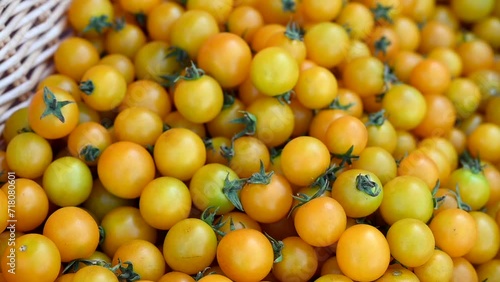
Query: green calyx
x=232, y=190
x=209, y=217
x=367, y=186
x=87, y=87
x=294, y=32
x=250, y=122
x=335, y=104
x=381, y=12
x=381, y=45
x=119, y=24
x=228, y=100
x=90, y=153
x=53, y=107
x=99, y=24
x=277, y=248
x=471, y=163
x=347, y=157
x=288, y=6
x=376, y=119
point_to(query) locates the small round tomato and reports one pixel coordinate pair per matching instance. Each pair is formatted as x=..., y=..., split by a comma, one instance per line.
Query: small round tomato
x=226, y=57
x=139, y=125
x=87, y=114
x=472, y=11
x=28, y=155
x=302, y=117
x=430, y=77
x=87, y=141
x=406, y=197
x=190, y=246
x=363, y=246
x=303, y=159
x=263, y=34
x=403, y=63
x=274, y=71
x=95, y=273
x=148, y=94
x=405, y=106
x=214, y=278
x=299, y=260
x=176, y=276
x=114, y=168
x=53, y=113
x=62, y=81
x=245, y=255
x=244, y=21
x=90, y=17
x=16, y=124
x=164, y=202
x=318, y=39
x=439, y=267
x=213, y=147
x=274, y=120
x=364, y=75
x=487, y=242
x=444, y=146
x=155, y=61
x=192, y=89
x=320, y=222
x=291, y=40
x=122, y=63
x=266, y=202
x=74, y=56
x=74, y=231
x=207, y=187
x=179, y=153
x=463, y=269
x=489, y=271
x=476, y=55
x=346, y=134
x=101, y=201
x=36, y=259
x=358, y=191
x=316, y=87
x=481, y=142
x=377, y=161
x=418, y=164
x=31, y=203
x=383, y=42
x=465, y=95
x=125, y=38
x=246, y=155
x=135, y=7
x=322, y=120
x=455, y=231
x=358, y=18
x=159, y=20
x=473, y=185
x=123, y=224
x=191, y=29
x=223, y=124
x=144, y=256
x=411, y=242
x=439, y=119
x=96, y=91
x=175, y=120
x=275, y=11
x=67, y=181
x=381, y=132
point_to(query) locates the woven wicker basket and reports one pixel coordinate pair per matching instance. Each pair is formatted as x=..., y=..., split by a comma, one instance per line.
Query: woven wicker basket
x=30, y=31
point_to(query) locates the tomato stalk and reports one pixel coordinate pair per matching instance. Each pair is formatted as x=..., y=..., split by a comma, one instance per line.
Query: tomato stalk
x=192, y=73
x=274, y=153
x=381, y=12
x=294, y=32
x=437, y=202
x=285, y=98
x=367, y=186
x=277, y=248
x=208, y=216
x=125, y=273
x=323, y=182
x=119, y=24
x=470, y=163
x=99, y=24
x=228, y=100
x=232, y=188
x=335, y=104
x=347, y=157
x=250, y=122
x=53, y=107
x=460, y=202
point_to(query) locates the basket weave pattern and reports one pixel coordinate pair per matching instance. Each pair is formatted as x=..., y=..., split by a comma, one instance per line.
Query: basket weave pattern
x=30, y=32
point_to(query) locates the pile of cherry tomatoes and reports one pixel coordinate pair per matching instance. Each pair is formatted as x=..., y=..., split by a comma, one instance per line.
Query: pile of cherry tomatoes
x=260, y=140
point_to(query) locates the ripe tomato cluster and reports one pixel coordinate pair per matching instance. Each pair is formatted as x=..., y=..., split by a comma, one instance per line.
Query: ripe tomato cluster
x=260, y=140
